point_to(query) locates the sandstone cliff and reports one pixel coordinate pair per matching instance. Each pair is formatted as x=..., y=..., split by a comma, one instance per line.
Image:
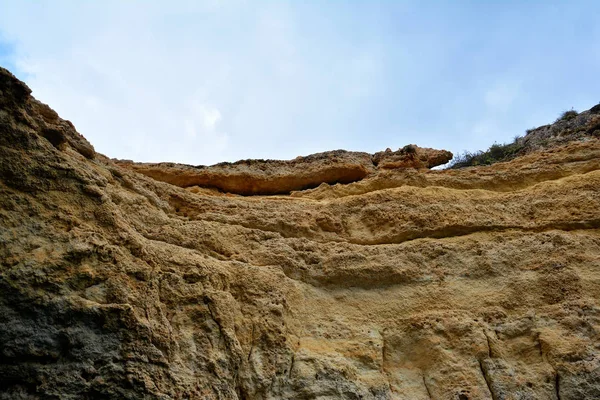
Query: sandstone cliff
x=383, y=280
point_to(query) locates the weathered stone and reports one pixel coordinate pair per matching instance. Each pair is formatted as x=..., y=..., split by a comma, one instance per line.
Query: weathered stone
x=408, y=283
x=251, y=177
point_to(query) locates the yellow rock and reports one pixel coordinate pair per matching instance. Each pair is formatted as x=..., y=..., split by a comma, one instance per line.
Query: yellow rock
x=399, y=283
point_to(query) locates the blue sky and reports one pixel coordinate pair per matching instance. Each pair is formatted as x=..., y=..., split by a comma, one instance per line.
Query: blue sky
x=202, y=82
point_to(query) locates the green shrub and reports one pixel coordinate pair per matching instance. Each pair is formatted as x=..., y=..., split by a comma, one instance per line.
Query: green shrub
x=507, y=151
x=567, y=115
x=496, y=152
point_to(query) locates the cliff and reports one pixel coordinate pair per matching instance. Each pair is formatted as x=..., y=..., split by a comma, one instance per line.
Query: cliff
x=358, y=277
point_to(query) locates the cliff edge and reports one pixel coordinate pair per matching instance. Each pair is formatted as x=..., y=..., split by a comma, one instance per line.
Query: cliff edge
x=379, y=279
x=266, y=177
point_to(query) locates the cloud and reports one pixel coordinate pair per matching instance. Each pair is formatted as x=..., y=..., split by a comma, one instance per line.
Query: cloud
x=203, y=118
x=197, y=82
x=206, y=81
x=501, y=97
x=125, y=74
x=201, y=125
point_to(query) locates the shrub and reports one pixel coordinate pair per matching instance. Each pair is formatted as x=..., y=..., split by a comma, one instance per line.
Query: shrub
x=497, y=152
x=465, y=159
x=528, y=131
x=567, y=115
x=507, y=151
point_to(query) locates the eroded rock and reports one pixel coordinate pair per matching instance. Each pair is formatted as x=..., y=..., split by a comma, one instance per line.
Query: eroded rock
x=406, y=284
x=251, y=177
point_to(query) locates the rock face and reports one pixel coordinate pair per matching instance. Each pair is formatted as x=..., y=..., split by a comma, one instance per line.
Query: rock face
x=480, y=283
x=251, y=177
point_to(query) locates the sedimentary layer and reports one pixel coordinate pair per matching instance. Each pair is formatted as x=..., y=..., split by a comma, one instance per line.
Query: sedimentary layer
x=251, y=177
x=408, y=283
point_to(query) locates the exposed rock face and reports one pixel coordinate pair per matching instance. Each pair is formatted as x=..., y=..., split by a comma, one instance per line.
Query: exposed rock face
x=579, y=126
x=481, y=283
x=250, y=177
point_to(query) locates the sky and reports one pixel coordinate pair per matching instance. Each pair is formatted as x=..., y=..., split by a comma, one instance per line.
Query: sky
x=200, y=82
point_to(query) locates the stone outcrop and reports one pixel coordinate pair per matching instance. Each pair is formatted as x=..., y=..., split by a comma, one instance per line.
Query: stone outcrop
x=408, y=283
x=265, y=177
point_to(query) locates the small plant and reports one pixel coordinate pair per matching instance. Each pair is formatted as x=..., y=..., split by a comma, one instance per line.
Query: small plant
x=464, y=159
x=528, y=131
x=567, y=115
x=497, y=152
x=520, y=144
x=409, y=149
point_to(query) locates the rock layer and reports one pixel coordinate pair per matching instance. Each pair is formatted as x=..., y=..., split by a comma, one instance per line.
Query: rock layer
x=251, y=177
x=480, y=283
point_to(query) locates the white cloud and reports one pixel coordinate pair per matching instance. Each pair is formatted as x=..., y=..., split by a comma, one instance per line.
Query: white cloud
x=202, y=119
x=201, y=125
x=502, y=96
x=207, y=81
x=196, y=82
x=124, y=73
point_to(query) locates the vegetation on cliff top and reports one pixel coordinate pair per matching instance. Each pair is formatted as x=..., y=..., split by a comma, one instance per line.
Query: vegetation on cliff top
x=566, y=127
